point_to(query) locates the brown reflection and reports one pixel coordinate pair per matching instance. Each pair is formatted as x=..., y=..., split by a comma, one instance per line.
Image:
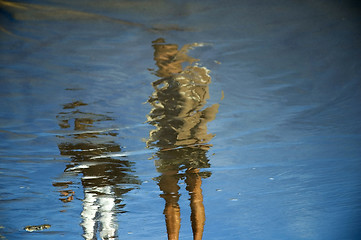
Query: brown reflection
x=180, y=117
x=104, y=178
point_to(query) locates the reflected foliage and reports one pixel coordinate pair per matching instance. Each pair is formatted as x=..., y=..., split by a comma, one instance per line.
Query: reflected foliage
x=180, y=135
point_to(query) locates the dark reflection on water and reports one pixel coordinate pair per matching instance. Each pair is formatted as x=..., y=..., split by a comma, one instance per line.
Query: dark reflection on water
x=103, y=178
x=181, y=136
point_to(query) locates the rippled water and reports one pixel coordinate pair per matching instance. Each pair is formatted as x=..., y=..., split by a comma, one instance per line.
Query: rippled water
x=159, y=119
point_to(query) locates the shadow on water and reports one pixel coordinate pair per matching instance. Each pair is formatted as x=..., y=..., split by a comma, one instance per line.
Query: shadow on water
x=178, y=113
x=104, y=179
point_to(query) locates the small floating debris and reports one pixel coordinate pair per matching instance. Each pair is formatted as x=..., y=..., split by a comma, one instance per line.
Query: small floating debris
x=37, y=227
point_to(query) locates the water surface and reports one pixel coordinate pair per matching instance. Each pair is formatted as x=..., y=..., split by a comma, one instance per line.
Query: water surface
x=159, y=119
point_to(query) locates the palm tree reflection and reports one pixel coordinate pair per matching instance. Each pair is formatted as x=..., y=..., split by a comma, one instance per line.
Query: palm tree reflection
x=181, y=136
x=104, y=179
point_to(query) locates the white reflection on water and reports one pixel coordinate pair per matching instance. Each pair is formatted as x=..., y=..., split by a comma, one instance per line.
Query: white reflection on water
x=104, y=205
x=103, y=175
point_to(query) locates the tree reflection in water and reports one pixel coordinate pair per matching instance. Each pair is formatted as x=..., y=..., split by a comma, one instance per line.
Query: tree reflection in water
x=180, y=117
x=104, y=179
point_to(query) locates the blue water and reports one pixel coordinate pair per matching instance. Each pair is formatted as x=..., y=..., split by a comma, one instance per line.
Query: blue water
x=76, y=83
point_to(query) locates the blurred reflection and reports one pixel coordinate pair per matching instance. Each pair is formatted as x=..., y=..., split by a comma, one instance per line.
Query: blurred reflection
x=104, y=179
x=181, y=136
